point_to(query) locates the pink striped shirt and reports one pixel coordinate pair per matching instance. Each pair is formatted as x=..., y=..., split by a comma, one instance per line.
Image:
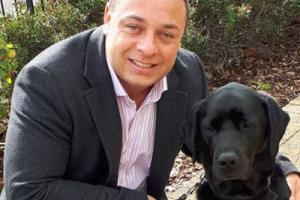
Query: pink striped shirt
x=138, y=131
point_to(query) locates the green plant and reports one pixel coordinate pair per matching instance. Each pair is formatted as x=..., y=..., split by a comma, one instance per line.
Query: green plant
x=194, y=40
x=91, y=9
x=228, y=26
x=8, y=70
x=33, y=33
x=263, y=86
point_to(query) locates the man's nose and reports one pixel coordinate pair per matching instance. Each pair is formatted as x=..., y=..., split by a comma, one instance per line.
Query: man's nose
x=148, y=45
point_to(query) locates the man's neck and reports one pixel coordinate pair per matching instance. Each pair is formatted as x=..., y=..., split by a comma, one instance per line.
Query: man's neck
x=138, y=95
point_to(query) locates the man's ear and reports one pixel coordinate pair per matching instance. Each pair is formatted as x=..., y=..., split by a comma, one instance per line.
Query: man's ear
x=179, y=46
x=107, y=13
x=107, y=17
x=277, y=123
x=192, y=132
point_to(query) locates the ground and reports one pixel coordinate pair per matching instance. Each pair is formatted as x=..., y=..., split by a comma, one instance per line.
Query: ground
x=277, y=70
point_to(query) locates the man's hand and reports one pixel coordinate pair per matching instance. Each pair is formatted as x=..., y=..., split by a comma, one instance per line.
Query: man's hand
x=150, y=197
x=293, y=180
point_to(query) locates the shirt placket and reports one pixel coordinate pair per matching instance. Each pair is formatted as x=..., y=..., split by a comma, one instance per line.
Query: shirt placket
x=129, y=141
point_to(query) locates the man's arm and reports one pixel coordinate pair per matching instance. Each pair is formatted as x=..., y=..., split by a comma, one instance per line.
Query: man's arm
x=292, y=175
x=293, y=180
x=38, y=145
x=202, y=89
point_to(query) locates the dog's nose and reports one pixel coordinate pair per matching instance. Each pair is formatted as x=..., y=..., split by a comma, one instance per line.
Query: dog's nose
x=228, y=160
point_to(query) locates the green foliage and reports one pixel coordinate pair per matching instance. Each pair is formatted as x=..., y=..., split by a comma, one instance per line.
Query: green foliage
x=263, y=86
x=33, y=33
x=91, y=9
x=194, y=40
x=8, y=69
x=4, y=107
x=224, y=27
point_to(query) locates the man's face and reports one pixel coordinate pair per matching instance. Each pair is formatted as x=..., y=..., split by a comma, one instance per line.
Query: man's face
x=143, y=37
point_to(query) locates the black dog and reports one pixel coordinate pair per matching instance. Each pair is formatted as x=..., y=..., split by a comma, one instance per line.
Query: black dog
x=235, y=133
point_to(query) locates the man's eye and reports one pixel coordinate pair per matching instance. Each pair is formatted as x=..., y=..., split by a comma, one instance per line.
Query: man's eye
x=167, y=36
x=132, y=27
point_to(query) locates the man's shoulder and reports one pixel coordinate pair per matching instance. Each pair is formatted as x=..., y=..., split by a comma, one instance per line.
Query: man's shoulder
x=185, y=53
x=71, y=48
x=64, y=61
x=188, y=59
x=190, y=70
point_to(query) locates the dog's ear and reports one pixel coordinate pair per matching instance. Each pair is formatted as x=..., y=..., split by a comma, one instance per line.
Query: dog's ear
x=277, y=123
x=192, y=132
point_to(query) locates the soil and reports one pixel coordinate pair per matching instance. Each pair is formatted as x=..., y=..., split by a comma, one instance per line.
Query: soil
x=276, y=70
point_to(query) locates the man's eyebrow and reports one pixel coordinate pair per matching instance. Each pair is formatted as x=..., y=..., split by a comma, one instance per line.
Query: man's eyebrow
x=134, y=17
x=140, y=19
x=171, y=26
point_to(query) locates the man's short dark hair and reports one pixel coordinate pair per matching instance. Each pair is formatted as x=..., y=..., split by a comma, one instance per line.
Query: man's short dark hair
x=186, y=3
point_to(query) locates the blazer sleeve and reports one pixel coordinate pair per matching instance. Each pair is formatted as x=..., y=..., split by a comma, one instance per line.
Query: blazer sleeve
x=38, y=146
x=286, y=165
x=199, y=90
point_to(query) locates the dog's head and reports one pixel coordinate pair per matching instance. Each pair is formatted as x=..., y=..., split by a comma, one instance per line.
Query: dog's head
x=235, y=133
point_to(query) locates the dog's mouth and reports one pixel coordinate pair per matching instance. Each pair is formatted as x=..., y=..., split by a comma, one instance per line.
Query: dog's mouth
x=234, y=189
x=230, y=177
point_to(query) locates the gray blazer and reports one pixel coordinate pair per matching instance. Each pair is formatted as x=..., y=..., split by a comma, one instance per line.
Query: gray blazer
x=64, y=136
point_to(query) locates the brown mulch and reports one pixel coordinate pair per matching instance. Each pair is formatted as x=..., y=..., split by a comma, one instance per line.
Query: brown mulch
x=280, y=69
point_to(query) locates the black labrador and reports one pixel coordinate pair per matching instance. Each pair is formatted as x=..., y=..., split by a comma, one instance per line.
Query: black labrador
x=235, y=134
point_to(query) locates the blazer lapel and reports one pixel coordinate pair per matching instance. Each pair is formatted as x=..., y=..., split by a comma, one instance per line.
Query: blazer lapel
x=102, y=103
x=171, y=111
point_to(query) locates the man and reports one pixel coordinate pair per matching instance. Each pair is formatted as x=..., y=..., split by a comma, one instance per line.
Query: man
x=98, y=116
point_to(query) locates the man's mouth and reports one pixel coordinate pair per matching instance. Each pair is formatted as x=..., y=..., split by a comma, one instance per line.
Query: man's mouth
x=141, y=64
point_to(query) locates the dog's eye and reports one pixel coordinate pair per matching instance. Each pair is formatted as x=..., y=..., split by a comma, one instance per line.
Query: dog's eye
x=247, y=124
x=211, y=129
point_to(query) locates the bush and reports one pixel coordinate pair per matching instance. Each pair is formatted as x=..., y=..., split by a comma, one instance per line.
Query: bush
x=224, y=28
x=91, y=9
x=34, y=33
x=8, y=69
